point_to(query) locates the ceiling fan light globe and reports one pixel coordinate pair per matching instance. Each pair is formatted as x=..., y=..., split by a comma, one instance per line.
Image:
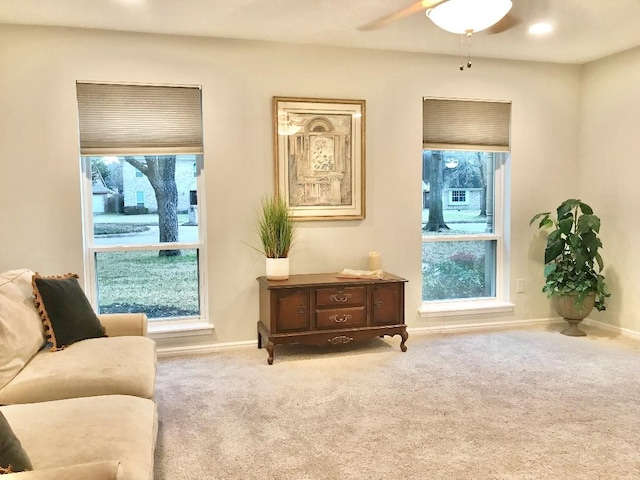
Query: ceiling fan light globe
x=465, y=16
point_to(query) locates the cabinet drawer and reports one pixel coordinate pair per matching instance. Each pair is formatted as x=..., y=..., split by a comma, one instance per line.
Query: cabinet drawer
x=341, y=317
x=337, y=296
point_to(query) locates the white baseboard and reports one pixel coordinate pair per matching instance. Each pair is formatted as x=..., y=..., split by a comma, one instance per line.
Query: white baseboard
x=208, y=348
x=483, y=326
x=625, y=332
x=443, y=328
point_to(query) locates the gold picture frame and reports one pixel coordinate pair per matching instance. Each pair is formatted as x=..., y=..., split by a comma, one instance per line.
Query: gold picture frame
x=319, y=155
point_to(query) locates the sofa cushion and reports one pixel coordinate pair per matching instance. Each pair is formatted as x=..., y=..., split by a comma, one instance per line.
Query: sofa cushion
x=98, y=366
x=85, y=430
x=21, y=331
x=107, y=470
x=65, y=310
x=13, y=458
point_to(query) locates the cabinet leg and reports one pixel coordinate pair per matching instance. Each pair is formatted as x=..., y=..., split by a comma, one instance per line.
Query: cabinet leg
x=259, y=339
x=404, y=336
x=270, y=352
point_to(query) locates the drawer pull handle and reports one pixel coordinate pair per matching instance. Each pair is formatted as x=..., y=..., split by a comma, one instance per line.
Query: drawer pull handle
x=340, y=339
x=378, y=304
x=340, y=318
x=339, y=297
x=301, y=309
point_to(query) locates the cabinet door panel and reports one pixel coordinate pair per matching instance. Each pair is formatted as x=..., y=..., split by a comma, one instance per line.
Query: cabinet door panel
x=292, y=310
x=385, y=304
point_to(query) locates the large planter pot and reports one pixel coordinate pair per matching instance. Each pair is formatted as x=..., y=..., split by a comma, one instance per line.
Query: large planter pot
x=277, y=268
x=566, y=307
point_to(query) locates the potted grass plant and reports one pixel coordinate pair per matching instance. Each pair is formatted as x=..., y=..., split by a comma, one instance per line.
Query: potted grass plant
x=276, y=229
x=573, y=265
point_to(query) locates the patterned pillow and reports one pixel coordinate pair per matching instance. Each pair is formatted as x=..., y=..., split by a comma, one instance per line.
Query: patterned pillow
x=13, y=458
x=65, y=310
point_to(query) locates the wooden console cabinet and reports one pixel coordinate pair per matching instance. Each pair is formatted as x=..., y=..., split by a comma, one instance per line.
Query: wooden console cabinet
x=320, y=309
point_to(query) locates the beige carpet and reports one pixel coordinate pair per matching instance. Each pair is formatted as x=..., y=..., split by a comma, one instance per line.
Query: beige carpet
x=517, y=404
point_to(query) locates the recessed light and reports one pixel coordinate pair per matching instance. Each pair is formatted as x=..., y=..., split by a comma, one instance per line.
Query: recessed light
x=540, y=28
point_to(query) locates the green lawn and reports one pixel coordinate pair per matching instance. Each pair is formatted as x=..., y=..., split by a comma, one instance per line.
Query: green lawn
x=142, y=281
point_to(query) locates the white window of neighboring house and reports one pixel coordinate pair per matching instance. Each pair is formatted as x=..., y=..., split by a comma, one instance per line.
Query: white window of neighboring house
x=149, y=260
x=458, y=196
x=464, y=234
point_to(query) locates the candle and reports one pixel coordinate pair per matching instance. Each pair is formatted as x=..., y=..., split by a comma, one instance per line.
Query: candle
x=374, y=260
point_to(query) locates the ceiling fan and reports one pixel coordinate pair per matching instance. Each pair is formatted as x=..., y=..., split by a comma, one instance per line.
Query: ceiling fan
x=456, y=16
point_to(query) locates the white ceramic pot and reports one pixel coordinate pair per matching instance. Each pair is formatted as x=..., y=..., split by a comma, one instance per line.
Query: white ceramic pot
x=277, y=268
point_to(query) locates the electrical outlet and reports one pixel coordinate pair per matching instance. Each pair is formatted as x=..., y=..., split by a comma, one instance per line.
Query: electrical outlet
x=520, y=285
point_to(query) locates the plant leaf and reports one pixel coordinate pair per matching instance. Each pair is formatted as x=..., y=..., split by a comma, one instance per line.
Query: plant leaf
x=566, y=206
x=599, y=261
x=588, y=222
x=537, y=216
x=566, y=224
x=586, y=209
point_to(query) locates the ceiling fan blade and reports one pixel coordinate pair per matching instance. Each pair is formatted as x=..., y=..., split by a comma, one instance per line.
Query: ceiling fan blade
x=505, y=23
x=399, y=14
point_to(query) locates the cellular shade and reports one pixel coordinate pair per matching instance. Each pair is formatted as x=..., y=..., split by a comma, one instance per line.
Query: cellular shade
x=139, y=119
x=465, y=125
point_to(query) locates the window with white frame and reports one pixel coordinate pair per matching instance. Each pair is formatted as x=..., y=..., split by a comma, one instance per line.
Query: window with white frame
x=458, y=196
x=143, y=252
x=465, y=154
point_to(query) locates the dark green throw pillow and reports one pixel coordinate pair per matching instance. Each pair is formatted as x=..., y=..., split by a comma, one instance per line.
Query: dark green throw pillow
x=65, y=310
x=13, y=458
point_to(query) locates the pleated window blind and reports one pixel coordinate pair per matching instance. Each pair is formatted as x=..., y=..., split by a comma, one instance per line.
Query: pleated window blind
x=466, y=125
x=139, y=119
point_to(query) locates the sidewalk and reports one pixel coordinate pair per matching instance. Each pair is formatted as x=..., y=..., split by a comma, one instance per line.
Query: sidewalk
x=186, y=234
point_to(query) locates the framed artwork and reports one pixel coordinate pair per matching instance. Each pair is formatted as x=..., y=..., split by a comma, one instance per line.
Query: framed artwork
x=319, y=152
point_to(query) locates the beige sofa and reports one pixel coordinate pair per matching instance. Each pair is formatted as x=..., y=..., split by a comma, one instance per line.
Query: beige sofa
x=88, y=438
x=86, y=411
x=122, y=363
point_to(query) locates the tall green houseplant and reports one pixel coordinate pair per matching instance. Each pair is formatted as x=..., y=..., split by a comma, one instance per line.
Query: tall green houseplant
x=276, y=227
x=573, y=264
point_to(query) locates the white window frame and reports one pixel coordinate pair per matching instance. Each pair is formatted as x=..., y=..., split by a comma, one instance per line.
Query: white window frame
x=459, y=202
x=177, y=326
x=501, y=302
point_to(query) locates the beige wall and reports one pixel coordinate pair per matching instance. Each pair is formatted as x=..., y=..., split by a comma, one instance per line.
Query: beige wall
x=40, y=212
x=610, y=176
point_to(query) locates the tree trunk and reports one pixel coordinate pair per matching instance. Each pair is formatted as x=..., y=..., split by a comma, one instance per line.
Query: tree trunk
x=161, y=172
x=435, y=222
x=483, y=179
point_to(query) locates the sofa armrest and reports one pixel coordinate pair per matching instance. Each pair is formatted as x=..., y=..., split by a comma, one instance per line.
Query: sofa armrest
x=107, y=470
x=124, y=324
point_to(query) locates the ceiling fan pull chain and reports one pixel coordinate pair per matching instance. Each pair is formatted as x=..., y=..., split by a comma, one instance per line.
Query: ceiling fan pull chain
x=469, y=33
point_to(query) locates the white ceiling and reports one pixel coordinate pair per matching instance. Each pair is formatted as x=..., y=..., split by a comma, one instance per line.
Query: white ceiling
x=585, y=30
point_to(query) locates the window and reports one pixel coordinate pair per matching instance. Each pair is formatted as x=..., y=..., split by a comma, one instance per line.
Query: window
x=464, y=203
x=144, y=251
x=458, y=196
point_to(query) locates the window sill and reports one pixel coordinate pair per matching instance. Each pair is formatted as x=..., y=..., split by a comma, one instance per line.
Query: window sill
x=464, y=308
x=178, y=329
